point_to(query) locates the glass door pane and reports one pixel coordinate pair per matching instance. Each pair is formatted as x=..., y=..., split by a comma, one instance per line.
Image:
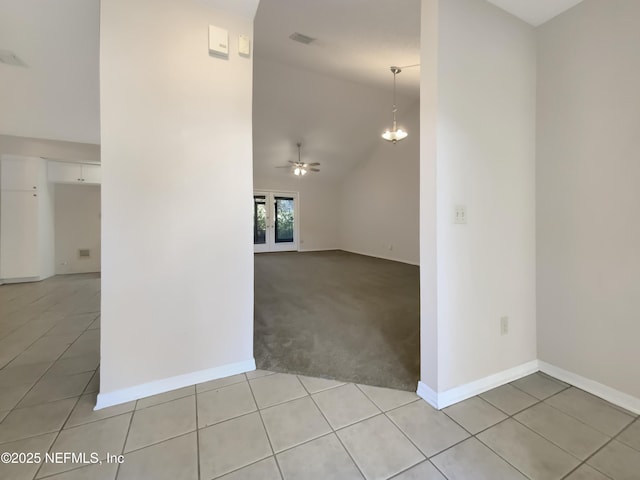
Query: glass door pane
x=259, y=219
x=284, y=216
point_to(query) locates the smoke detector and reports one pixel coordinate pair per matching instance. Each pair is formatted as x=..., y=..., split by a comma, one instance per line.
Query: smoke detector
x=300, y=38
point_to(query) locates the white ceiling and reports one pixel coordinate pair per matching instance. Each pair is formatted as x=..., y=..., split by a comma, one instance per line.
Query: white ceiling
x=357, y=40
x=242, y=8
x=535, y=12
x=56, y=96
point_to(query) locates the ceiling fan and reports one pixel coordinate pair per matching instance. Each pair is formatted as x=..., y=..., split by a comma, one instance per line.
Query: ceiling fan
x=300, y=168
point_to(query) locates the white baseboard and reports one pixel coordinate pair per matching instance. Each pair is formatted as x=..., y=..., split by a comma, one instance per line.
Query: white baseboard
x=318, y=249
x=468, y=390
x=427, y=394
x=393, y=259
x=609, y=394
x=92, y=270
x=21, y=280
x=462, y=392
x=124, y=395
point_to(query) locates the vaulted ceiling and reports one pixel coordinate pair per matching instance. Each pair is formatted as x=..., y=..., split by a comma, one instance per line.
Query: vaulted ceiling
x=56, y=94
x=356, y=40
x=334, y=94
x=535, y=12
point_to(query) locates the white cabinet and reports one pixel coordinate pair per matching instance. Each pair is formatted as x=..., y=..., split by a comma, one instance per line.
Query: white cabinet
x=60, y=172
x=66, y=172
x=19, y=234
x=91, y=174
x=26, y=220
x=21, y=173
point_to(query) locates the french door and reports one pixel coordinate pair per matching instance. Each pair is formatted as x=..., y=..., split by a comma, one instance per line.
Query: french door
x=275, y=222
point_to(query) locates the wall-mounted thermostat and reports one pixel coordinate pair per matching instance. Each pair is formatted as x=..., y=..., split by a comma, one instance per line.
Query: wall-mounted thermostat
x=244, y=46
x=218, y=42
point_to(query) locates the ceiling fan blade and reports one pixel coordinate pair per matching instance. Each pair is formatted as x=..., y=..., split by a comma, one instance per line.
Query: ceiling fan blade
x=314, y=169
x=292, y=162
x=314, y=164
x=284, y=166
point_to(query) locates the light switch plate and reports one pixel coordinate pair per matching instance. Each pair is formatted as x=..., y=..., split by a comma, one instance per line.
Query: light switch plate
x=244, y=46
x=218, y=41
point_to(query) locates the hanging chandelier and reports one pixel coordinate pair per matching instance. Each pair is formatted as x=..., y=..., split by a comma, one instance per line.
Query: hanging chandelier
x=394, y=134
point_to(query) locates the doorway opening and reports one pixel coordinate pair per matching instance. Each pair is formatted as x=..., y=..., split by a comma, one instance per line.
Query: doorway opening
x=338, y=299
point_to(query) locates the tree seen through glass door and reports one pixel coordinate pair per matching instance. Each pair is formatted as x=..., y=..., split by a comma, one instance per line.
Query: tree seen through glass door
x=284, y=219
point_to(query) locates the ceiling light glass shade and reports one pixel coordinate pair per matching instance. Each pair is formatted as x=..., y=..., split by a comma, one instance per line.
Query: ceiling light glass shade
x=297, y=171
x=395, y=134
x=303, y=171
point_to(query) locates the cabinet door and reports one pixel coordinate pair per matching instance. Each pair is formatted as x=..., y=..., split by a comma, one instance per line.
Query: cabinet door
x=91, y=174
x=19, y=256
x=62, y=172
x=20, y=173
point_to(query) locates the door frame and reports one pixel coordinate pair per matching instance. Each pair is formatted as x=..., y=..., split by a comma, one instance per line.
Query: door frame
x=282, y=247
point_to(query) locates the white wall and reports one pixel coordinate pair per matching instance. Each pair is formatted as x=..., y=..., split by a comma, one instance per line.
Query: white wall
x=429, y=45
x=38, y=147
x=380, y=198
x=588, y=259
x=77, y=226
x=319, y=205
x=177, y=257
x=484, y=158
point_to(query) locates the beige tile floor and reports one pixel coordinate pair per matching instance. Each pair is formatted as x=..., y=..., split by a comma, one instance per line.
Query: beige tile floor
x=264, y=425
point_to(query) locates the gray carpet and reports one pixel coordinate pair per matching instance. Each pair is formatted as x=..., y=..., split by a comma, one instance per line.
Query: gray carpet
x=338, y=315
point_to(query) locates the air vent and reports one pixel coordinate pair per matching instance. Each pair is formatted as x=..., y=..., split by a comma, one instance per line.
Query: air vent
x=84, y=253
x=298, y=37
x=10, y=58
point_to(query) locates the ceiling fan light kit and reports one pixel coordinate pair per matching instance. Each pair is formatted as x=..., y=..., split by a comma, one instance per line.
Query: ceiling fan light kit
x=300, y=168
x=395, y=134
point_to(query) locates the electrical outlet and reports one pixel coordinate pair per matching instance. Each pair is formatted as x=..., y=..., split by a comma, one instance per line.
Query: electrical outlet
x=504, y=325
x=460, y=214
x=391, y=246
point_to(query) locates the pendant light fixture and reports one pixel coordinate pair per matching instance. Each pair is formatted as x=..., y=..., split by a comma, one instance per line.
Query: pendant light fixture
x=394, y=134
